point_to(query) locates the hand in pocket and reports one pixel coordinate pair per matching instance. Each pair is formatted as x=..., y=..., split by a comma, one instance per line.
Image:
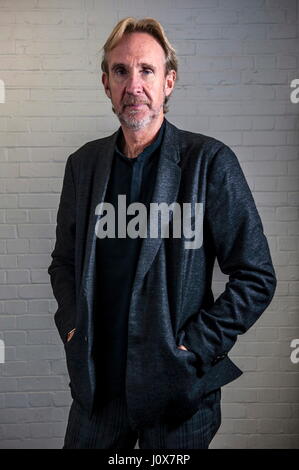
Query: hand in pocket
x=181, y=346
x=70, y=335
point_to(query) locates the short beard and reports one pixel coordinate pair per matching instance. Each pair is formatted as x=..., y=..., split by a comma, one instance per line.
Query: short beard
x=136, y=124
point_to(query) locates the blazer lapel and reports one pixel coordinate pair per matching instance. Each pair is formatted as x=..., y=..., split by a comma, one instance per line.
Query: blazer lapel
x=166, y=189
x=99, y=186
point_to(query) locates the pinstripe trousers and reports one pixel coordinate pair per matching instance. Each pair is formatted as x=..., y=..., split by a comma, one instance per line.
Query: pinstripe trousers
x=109, y=428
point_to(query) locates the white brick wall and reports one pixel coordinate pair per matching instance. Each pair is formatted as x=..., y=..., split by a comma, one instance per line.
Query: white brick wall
x=237, y=59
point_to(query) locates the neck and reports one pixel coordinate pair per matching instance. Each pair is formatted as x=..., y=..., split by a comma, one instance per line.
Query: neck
x=136, y=141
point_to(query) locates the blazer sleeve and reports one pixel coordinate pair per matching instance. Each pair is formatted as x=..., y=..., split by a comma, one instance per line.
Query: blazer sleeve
x=242, y=252
x=62, y=267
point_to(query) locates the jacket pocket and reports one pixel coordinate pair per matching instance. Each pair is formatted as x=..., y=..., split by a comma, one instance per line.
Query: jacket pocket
x=180, y=341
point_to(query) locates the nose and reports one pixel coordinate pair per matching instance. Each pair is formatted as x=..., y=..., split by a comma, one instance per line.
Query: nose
x=134, y=83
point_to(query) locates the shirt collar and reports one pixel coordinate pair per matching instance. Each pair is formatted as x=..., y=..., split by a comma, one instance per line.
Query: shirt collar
x=147, y=151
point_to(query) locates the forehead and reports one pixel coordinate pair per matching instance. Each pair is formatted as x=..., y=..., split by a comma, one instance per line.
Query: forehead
x=140, y=47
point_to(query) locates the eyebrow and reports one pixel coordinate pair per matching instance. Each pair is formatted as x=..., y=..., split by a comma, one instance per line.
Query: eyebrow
x=142, y=64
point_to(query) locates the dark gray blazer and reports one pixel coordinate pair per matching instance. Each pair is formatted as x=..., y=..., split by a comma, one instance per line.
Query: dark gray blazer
x=172, y=301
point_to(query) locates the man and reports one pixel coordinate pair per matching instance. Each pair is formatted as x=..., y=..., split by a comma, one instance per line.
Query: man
x=146, y=343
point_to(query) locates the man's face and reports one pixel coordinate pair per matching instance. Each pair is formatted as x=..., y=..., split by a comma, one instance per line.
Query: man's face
x=137, y=84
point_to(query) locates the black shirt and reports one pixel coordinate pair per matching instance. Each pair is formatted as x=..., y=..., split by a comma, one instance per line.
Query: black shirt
x=116, y=260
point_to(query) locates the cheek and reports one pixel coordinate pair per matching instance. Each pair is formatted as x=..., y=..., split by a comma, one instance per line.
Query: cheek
x=155, y=90
x=116, y=94
x=159, y=93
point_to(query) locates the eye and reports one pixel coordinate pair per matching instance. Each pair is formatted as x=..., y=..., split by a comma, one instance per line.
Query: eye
x=147, y=71
x=120, y=71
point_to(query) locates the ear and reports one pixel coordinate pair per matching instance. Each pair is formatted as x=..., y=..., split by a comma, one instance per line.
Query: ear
x=169, y=82
x=105, y=81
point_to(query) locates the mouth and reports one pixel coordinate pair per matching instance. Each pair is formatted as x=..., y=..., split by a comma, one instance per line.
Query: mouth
x=135, y=105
